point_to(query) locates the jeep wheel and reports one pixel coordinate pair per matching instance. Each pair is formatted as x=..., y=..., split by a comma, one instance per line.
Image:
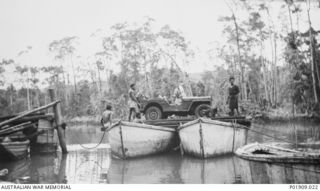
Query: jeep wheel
x=153, y=113
x=202, y=110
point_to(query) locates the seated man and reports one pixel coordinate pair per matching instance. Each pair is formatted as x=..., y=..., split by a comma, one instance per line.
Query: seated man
x=138, y=118
x=106, y=119
x=178, y=94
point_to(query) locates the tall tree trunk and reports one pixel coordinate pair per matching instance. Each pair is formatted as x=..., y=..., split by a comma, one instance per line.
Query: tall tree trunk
x=314, y=82
x=11, y=98
x=99, y=78
x=242, y=85
x=264, y=74
x=275, y=70
x=74, y=76
x=66, y=89
x=290, y=17
x=28, y=91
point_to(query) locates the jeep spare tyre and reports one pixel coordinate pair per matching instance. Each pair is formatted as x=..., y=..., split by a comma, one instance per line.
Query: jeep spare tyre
x=202, y=110
x=153, y=113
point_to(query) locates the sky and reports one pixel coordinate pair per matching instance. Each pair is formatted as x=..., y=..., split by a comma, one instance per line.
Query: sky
x=36, y=23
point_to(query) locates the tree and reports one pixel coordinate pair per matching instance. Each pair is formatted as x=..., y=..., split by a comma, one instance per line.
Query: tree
x=64, y=49
x=4, y=63
x=314, y=67
x=25, y=80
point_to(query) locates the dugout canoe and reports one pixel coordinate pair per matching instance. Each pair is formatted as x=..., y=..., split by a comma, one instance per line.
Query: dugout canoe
x=276, y=153
x=14, y=149
x=128, y=139
x=206, y=138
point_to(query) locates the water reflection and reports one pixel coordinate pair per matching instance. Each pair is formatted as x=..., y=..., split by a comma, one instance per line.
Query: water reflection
x=16, y=169
x=293, y=131
x=88, y=166
x=96, y=165
x=216, y=170
x=266, y=173
x=152, y=169
x=80, y=166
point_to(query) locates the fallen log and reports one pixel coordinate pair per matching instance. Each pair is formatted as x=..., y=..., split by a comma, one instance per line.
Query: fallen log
x=29, y=112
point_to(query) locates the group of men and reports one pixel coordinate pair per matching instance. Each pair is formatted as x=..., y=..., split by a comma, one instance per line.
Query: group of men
x=179, y=93
x=134, y=106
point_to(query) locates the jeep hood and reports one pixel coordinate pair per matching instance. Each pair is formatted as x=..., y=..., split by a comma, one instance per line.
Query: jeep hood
x=204, y=98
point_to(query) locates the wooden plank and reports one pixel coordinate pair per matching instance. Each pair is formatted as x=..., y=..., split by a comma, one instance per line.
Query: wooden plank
x=6, y=117
x=34, y=118
x=14, y=129
x=6, y=126
x=28, y=112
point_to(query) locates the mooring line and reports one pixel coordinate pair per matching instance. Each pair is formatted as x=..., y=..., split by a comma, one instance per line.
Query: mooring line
x=267, y=135
x=89, y=148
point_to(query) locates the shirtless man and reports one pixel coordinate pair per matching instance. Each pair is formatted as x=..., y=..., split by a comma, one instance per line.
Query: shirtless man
x=106, y=119
x=133, y=102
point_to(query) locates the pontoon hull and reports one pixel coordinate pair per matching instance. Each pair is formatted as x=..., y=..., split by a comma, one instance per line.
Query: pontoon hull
x=208, y=138
x=129, y=140
x=14, y=150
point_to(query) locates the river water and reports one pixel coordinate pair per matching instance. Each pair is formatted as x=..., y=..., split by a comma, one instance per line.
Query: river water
x=85, y=165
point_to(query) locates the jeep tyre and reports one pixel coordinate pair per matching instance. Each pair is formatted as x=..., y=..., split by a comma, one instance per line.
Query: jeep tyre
x=201, y=110
x=153, y=113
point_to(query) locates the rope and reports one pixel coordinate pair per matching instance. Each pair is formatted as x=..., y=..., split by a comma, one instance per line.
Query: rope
x=89, y=148
x=270, y=130
x=267, y=135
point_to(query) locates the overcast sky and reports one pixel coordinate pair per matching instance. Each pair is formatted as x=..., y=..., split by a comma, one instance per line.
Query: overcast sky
x=36, y=23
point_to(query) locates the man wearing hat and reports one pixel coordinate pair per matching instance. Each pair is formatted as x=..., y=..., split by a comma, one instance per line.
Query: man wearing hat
x=232, y=100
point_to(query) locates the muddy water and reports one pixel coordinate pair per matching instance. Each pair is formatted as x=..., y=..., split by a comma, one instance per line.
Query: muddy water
x=85, y=165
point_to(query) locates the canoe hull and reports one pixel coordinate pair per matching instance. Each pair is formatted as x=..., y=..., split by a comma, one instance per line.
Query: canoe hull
x=129, y=140
x=14, y=150
x=207, y=138
x=275, y=153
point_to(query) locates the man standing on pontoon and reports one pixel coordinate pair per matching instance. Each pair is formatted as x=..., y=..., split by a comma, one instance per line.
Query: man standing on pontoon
x=133, y=102
x=232, y=100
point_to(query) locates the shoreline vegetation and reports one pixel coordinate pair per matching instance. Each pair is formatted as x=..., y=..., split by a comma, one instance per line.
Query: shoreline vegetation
x=274, y=83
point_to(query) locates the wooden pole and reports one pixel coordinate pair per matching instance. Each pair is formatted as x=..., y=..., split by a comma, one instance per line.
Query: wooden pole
x=28, y=113
x=59, y=122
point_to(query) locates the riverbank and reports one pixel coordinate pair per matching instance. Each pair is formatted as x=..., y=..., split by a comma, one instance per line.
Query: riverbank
x=283, y=114
x=93, y=120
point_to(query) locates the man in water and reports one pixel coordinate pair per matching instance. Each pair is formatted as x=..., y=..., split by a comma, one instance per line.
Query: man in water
x=232, y=100
x=106, y=119
x=133, y=102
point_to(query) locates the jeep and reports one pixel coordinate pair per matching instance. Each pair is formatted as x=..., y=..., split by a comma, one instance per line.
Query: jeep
x=159, y=108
